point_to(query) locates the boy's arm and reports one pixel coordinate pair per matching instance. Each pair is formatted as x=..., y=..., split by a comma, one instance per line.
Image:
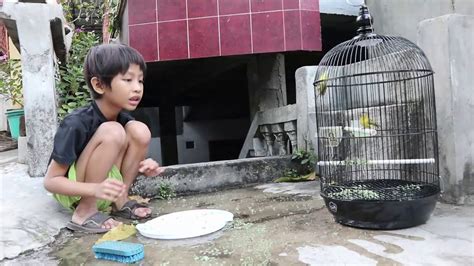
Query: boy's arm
x=150, y=167
x=56, y=181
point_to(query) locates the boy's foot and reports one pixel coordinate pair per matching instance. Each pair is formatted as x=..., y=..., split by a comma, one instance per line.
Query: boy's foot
x=132, y=210
x=96, y=223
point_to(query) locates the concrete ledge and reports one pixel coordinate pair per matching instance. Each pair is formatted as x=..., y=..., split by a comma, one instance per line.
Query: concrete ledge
x=8, y=160
x=8, y=156
x=212, y=176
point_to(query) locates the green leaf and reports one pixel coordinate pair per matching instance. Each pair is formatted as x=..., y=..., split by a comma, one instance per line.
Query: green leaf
x=71, y=87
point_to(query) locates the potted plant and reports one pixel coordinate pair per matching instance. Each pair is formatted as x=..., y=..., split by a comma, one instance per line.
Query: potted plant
x=11, y=88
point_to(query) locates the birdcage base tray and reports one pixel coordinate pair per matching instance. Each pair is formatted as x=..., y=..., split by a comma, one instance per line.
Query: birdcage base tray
x=383, y=215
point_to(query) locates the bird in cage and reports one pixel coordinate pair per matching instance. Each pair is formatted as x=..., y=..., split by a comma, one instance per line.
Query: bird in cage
x=322, y=83
x=366, y=122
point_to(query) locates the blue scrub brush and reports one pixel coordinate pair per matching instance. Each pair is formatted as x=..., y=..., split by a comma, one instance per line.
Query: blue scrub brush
x=124, y=252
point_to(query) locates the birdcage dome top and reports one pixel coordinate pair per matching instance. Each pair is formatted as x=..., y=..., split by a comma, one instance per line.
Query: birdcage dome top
x=385, y=53
x=369, y=53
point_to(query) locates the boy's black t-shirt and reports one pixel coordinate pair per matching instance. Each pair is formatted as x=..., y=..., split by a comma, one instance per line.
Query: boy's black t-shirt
x=76, y=130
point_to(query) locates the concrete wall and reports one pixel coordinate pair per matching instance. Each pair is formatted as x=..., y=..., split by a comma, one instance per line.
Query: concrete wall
x=465, y=7
x=266, y=82
x=4, y=105
x=401, y=17
x=448, y=41
x=339, y=7
x=306, y=122
x=37, y=56
x=213, y=176
x=201, y=132
x=154, y=150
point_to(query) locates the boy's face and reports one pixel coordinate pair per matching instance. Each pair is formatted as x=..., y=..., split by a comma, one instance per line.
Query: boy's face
x=126, y=89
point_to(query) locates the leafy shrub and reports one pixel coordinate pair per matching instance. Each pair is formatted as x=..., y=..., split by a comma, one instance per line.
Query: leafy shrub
x=11, y=86
x=306, y=159
x=71, y=86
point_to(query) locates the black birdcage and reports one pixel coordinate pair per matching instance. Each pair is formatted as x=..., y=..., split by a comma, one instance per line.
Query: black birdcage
x=376, y=131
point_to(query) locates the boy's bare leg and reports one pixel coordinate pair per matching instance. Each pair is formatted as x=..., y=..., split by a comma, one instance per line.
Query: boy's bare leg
x=94, y=164
x=138, y=139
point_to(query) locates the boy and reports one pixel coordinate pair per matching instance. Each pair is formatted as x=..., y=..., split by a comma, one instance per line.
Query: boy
x=99, y=150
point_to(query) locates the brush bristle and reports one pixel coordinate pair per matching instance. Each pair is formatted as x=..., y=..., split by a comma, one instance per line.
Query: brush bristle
x=121, y=259
x=123, y=252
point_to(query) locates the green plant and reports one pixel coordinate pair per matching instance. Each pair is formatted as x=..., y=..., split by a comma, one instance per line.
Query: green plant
x=93, y=12
x=11, y=82
x=71, y=86
x=306, y=159
x=166, y=191
x=305, y=172
x=291, y=173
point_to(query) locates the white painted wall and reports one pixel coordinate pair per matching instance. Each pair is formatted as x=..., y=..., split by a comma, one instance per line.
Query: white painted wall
x=448, y=41
x=37, y=55
x=401, y=17
x=16, y=1
x=154, y=150
x=339, y=7
x=201, y=132
x=4, y=105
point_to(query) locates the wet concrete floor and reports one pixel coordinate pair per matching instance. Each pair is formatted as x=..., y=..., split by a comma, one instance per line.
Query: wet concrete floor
x=283, y=224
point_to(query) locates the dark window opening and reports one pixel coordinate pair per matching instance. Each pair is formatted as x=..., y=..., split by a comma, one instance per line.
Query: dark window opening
x=189, y=145
x=225, y=149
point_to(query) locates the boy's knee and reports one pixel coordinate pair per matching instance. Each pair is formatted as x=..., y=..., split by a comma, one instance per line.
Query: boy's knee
x=138, y=133
x=112, y=132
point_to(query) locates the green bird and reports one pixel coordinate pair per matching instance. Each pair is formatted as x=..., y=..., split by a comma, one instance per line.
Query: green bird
x=366, y=122
x=322, y=83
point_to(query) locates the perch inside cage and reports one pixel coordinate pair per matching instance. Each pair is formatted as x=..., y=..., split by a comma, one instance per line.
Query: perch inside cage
x=376, y=131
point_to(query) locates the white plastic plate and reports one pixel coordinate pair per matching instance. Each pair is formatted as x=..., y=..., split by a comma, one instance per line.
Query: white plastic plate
x=185, y=224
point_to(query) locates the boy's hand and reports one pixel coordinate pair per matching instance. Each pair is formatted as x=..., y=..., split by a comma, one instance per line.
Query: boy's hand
x=149, y=167
x=110, y=189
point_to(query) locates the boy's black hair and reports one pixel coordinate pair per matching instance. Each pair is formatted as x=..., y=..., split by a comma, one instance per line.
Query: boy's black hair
x=106, y=61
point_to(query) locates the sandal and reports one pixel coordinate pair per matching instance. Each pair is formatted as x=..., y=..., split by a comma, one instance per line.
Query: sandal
x=93, y=224
x=128, y=211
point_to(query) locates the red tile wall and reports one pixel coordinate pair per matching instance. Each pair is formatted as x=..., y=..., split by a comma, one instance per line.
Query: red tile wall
x=203, y=37
x=235, y=29
x=144, y=39
x=183, y=29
